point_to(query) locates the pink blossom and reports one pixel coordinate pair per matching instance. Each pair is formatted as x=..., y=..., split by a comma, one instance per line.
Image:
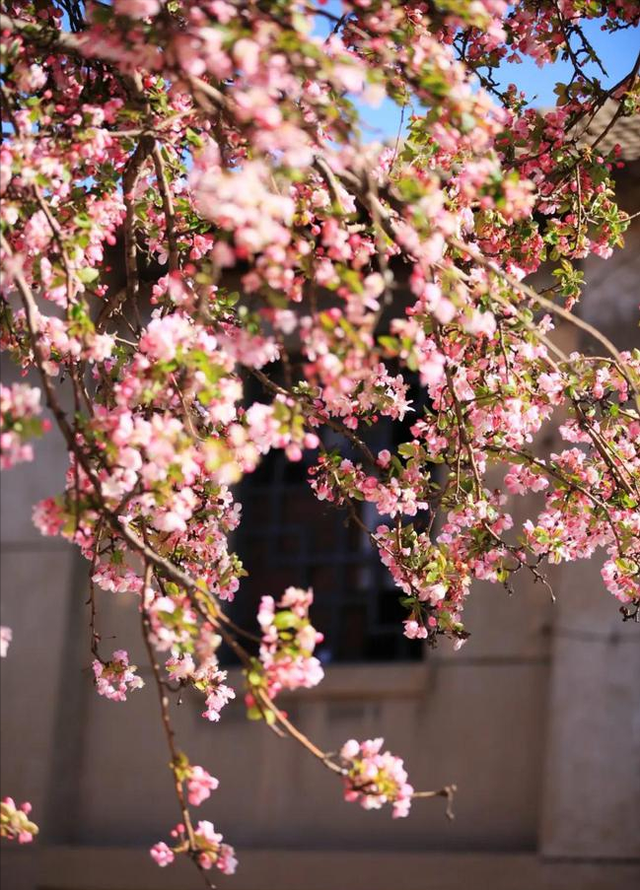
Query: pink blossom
x=19, y=410
x=161, y=854
x=6, y=635
x=374, y=779
x=219, y=695
x=114, y=678
x=15, y=823
x=246, y=54
x=200, y=785
x=138, y=8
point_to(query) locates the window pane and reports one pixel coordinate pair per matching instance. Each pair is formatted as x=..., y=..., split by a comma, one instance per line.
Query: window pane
x=287, y=537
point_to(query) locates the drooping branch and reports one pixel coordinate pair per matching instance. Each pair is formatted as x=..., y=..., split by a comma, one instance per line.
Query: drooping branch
x=247, y=142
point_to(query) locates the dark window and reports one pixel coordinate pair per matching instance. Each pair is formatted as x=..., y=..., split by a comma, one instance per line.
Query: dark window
x=287, y=537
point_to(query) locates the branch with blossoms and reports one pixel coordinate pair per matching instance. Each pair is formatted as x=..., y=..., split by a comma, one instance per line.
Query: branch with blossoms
x=286, y=661
x=276, y=668
x=15, y=821
x=188, y=205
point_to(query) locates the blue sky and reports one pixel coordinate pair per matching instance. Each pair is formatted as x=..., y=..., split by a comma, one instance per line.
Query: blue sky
x=617, y=52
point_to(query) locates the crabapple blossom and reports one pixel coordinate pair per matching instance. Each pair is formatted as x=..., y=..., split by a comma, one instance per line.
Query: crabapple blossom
x=204, y=675
x=200, y=785
x=14, y=820
x=19, y=410
x=208, y=848
x=218, y=695
x=137, y=8
x=204, y=263
x=212, y=851
x=373, y=779
x=286, y=659
x=116, y=677
x=161, y=854
x=15, y=823
x=6, y=635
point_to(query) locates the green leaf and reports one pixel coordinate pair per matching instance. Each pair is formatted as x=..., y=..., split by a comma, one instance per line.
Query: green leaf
x=285, y=619
x=193, y=137
x=86, y=276
x=254, y=713
x=254, y=678
x=389, y=343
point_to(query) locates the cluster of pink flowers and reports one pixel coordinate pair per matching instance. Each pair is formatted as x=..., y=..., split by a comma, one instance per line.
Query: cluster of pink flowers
x=212, y=849
x=256, y=215
x=15, y=823
x=178, y=633
x=19, y=410
x=402, y=491
x=218, y=694
x=209, y=848
x=373, y=779
x=200, y=784
x=288, y=643
x=116, y=677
